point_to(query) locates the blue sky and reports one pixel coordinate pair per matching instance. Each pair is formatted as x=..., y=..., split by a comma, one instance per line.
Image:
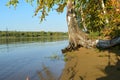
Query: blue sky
x=20, y=19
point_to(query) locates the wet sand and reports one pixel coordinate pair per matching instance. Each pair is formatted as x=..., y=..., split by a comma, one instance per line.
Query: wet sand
x=91, y=64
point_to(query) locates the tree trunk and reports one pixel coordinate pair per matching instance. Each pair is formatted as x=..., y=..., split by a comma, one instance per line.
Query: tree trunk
x=78, y=38
x=82, y=18
x=104, y=11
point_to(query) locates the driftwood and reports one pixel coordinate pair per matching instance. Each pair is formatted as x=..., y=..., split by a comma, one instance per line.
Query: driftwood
x=101, y=44
x=108, y=43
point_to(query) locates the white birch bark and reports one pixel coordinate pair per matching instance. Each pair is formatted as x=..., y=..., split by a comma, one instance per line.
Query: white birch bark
x=82, y=18
x=104, y=11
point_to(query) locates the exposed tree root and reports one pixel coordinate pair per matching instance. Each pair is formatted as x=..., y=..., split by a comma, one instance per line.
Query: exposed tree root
x=101, y=44
x=70, y=48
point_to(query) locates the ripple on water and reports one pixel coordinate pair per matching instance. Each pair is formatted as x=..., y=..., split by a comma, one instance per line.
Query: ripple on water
x=28, y=59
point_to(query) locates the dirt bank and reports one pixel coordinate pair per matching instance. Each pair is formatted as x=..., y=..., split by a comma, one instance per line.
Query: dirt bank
x=90, y=64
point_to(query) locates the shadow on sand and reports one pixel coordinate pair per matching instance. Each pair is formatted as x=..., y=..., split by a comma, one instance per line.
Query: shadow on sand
x=112, y=71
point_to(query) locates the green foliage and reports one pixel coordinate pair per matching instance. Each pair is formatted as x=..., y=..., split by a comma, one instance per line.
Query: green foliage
x=61, y=7
x=95, y=17
x=13, y=3
x=113, y=13
x=94, y=35
x=43, y=6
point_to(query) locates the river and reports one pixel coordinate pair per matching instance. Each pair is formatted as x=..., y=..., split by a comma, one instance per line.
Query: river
x=34, y=59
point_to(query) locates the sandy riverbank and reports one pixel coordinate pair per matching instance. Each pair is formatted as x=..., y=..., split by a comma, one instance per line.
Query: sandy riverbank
x=90, y=64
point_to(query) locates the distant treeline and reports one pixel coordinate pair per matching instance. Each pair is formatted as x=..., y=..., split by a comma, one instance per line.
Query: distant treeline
x=31, y=34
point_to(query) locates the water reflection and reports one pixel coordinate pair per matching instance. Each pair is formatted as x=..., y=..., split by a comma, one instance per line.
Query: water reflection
x=21, y=59
x=46, y=74
x=28, y=40
x=10, y=43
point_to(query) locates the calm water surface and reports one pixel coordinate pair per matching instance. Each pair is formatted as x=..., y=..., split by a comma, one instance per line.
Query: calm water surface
x=34, y=59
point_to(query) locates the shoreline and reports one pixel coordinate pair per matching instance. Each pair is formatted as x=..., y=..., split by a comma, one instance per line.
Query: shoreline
x=90, y=64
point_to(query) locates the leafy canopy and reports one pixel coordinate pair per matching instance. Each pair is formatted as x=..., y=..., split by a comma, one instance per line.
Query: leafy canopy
x=43, y=6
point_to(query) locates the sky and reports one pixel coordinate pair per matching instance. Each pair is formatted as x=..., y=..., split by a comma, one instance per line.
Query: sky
x=21, y=19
